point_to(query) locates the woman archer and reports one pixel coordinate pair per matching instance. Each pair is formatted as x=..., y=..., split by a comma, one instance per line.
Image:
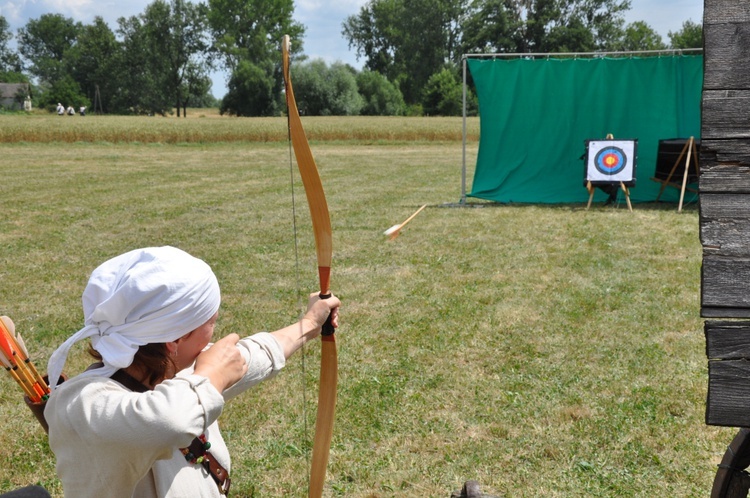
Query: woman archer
x=142, y=420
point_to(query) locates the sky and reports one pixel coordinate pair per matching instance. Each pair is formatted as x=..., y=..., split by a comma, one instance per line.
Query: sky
x=322, y=18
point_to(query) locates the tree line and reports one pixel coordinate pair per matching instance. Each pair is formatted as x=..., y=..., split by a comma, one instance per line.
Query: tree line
x=159, y=61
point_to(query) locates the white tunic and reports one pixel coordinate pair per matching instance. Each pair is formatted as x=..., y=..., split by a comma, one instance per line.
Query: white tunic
x=110, y=441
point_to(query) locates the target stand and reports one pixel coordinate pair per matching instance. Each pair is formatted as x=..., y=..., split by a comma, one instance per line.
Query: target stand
x=610, y=165
x=692, y=153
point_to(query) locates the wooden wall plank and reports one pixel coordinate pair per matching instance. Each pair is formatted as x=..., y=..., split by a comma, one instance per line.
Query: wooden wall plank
x=727, y=340
x=724, y=165
x=726, y=113
x=727, y=55
x=725, y=178
x=723, y=11
x=730, y=238
x=725, y=205
x=725, y=284
x=728, y=350
x=728, y=393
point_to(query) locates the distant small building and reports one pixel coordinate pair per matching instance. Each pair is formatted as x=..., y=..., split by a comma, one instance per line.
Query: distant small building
x=13, y=95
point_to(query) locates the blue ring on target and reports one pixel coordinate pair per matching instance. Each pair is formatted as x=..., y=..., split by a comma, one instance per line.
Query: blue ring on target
x=610, y=160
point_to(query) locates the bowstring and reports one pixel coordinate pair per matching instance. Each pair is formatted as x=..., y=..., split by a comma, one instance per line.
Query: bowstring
x=300, y=304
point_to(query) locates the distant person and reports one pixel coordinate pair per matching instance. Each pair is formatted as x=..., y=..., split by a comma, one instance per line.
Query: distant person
x=60, y=109
x=71, y=111
x=82, y=110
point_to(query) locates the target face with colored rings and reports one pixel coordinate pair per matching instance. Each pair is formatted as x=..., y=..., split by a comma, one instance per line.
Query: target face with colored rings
x=610, y=160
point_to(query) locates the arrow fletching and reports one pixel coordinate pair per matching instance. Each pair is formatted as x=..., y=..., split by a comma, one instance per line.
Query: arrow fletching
x=395, y=230
x=13, y=348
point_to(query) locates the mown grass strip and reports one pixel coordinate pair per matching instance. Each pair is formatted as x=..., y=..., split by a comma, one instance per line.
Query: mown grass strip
x=44, y=128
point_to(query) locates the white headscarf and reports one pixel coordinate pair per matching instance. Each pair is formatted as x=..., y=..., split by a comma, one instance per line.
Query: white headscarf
x=151, y=295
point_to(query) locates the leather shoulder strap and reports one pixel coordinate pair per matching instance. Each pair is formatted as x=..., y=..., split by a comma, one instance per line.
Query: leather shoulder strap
x=129, y=382
x=218, y=473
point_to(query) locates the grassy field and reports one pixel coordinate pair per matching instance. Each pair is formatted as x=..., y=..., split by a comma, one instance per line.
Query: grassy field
x=541, y=350
x=206, y=126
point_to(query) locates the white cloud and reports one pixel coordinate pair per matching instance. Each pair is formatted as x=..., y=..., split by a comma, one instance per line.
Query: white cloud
x=18, y=12
x=77, y=9
x=13, y=12
x=335, y=6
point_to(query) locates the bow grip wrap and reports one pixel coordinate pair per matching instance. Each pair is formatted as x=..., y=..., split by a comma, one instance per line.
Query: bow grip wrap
x=328, y=328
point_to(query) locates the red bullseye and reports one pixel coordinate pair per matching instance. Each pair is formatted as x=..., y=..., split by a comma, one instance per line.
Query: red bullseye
x=611, y=160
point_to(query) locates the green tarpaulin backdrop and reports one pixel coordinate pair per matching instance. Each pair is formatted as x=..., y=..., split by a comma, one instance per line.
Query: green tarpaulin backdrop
x=537, y=114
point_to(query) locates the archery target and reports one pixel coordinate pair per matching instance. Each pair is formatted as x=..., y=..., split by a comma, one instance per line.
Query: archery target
x=610, y=161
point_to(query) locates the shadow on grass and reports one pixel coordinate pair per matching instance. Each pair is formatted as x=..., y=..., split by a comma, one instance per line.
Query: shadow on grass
x=580, y=206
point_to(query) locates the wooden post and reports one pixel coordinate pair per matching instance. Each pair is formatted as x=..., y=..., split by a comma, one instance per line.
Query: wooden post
x=590, y=188
x=690, y=146
x=627, y=195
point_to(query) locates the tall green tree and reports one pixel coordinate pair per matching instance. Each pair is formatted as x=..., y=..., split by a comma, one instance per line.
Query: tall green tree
x=143, y=86
x=689, y=36
x=443, y=94
x=252, y=29
x=407, y=40
x=95, y=62
x=321, y=90
x=164, y=47
x=250, y=91
x=10, y=61
x=196, y=88
x=43, y=43
x=178, y=31
x=640, y=36
x=604, y=18
x=541, y=26
x=64, y=90
x=375, y=35
x=381, y=97
x=246, y=38
x=492, y=27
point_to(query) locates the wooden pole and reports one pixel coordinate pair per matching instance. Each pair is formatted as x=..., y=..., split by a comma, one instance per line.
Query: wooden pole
x=590, y=188
x=627, y=196
x=689, y=146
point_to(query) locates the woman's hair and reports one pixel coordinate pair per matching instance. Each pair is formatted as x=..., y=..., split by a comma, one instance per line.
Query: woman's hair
x=153, y=358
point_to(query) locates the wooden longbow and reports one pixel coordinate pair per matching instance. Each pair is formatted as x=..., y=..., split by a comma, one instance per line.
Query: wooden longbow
x=321, y=223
